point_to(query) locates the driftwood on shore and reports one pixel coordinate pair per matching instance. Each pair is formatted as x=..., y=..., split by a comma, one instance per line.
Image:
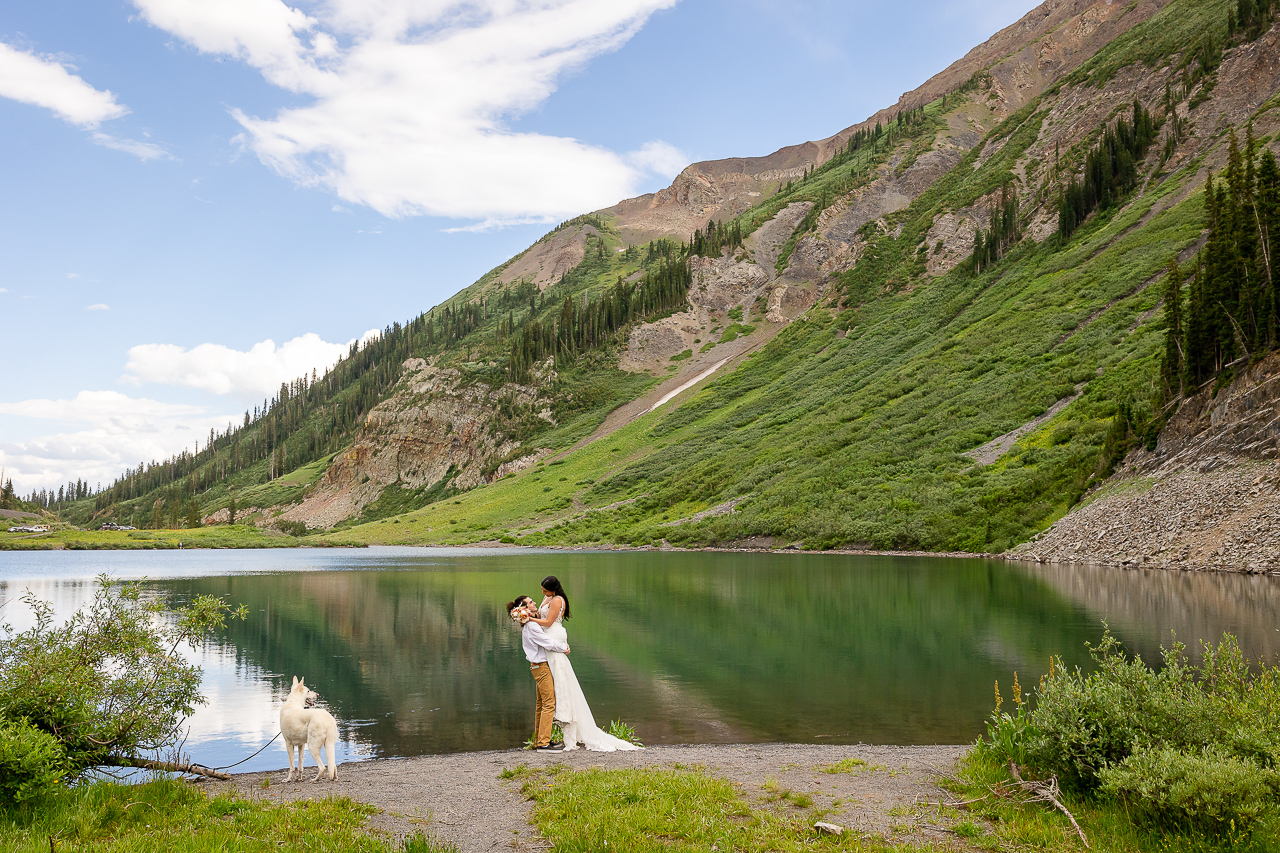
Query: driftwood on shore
x=1046, y=792
x=170, y=766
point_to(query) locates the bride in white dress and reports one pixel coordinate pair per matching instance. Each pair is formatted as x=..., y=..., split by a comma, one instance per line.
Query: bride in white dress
x=572, y=711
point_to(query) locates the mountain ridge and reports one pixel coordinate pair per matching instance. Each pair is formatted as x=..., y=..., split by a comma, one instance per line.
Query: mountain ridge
x=863, y=351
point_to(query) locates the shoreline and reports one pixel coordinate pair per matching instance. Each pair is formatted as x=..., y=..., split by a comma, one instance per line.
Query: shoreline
x=1023, y=557
x=874, y=791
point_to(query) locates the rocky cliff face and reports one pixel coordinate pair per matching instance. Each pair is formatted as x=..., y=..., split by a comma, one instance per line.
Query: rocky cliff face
x=1208, y=496
x=1023, y=60
x=434, y=429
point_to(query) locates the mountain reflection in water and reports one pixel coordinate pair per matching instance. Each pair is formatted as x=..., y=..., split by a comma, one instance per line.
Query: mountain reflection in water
x=414, y=654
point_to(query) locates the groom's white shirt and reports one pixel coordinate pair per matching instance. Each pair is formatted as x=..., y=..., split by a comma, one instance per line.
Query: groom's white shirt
x=538, y=642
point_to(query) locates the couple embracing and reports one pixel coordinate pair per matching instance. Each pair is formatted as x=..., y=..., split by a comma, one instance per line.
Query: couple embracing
x=560, y=699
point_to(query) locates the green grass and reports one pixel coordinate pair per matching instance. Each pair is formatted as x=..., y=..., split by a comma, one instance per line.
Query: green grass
x=173, y=817
x=734, y=331
x=679, y=811
x=219, y=536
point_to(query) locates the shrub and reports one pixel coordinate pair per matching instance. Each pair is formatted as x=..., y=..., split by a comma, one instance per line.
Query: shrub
x=1193, y=746
x=1084, y=722
x=109, y=683
x=32, y=762
x=1208, y=790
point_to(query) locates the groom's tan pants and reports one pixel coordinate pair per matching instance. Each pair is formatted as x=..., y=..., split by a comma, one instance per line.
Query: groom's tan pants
x=546, y=709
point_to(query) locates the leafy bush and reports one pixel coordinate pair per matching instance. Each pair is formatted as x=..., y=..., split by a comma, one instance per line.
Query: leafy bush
x=109, y=683
x=1187, y=745
x=1208, y=790
x=1084, y=723
x=32, y=762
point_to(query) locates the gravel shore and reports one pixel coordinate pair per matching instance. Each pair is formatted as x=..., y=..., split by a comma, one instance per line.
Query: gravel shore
x=460, y=798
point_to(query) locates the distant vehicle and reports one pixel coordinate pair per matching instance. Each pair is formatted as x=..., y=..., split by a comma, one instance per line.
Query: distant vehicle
x=28, y=528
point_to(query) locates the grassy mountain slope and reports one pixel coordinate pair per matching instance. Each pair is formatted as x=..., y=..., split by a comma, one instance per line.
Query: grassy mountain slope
x=855, y=424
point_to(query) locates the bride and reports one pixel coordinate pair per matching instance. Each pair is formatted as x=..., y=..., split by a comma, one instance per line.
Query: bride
x=572, y=712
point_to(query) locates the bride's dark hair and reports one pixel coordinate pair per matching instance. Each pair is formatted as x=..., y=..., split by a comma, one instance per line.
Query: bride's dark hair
x=552, y=584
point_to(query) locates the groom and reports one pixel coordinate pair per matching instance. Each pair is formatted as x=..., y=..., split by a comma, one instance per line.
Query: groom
x=536, y=644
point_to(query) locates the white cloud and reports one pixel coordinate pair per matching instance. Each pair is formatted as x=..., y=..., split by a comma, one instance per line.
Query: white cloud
x=660, y=158
x=98, y=307
x=142, y=150
x=248, y=376
x=3, y=290
x=108, y=432
x=412, y=99
x=45, y=82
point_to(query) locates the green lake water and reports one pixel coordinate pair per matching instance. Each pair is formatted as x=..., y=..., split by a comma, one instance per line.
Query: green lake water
x=412, y=651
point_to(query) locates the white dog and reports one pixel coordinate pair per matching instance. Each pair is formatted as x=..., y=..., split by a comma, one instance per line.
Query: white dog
x=315, y=727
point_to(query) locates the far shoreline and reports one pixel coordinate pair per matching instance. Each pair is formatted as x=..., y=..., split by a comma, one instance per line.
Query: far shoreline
x=171, y=543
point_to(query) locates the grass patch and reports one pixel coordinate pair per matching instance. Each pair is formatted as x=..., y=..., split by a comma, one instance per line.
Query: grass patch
x=168, y=815
x=217, y=536
x=657, y=809
x=735, y=331
x=849, y=765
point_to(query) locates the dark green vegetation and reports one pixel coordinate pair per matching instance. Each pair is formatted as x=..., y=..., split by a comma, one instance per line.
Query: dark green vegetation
x=167, y=816
x=1110, y=170
x=1232, y=312
x=849, y=427
x=1187, y=753
x=98, y=690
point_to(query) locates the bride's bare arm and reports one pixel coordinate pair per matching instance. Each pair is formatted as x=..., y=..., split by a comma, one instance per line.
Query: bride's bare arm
x=557, y=605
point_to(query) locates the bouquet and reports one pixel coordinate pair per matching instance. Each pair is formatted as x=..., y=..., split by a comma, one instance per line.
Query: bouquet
x=521, y=615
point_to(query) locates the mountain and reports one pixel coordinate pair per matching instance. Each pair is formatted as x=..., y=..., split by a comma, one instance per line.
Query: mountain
x=940, y=328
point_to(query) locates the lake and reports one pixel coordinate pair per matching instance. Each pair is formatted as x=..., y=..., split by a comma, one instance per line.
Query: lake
x=412, y=651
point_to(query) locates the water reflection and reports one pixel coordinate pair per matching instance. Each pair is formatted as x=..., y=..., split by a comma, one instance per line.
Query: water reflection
x=414, y=655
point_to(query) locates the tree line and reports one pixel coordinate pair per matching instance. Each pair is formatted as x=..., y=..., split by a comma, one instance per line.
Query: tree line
x=1231, y=311
x=663, y=290
x=1110, y=169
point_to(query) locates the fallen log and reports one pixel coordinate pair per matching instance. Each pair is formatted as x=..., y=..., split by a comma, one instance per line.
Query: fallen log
x=169, y=766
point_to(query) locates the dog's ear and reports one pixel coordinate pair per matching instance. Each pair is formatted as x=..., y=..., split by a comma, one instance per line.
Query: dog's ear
x=295, y=681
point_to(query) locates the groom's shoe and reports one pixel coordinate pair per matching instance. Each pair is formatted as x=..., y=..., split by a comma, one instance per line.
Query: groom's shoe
x=551, y=747
x=557, y=744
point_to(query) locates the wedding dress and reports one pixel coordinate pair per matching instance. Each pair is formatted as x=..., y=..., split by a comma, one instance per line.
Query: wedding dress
x=572, y=711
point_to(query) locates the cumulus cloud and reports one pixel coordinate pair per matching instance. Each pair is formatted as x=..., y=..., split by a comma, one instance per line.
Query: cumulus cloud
x=45, y=82
x=411, y=99
x=98, y=434
x=248, y=375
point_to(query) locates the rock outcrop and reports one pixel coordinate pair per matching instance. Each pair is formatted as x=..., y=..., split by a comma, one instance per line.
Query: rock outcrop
x=1208, y=496
x=434, y=429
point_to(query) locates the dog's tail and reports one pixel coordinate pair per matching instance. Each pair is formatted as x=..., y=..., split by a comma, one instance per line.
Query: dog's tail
x=330, y=753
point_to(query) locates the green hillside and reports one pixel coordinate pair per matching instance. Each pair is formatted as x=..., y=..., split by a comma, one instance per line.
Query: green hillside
x=855, y=425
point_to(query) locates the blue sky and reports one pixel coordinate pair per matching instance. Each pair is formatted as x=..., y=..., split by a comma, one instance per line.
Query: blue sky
x=200, y=198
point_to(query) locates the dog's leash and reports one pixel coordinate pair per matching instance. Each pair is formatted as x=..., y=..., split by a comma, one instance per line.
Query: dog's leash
x=242, y=761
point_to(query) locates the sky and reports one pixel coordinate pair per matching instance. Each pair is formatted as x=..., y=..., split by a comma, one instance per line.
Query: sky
x=200, y=199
